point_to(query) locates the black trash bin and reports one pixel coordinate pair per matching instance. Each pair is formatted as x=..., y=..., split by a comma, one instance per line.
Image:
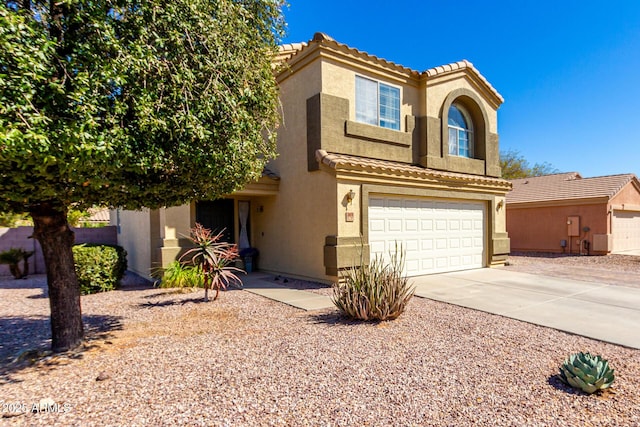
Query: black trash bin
x=250, y=258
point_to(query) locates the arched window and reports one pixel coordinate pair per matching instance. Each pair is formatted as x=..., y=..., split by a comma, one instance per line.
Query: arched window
x=460, y=132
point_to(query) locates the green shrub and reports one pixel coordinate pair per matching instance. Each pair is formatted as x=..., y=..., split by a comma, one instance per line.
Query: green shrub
x=12, y=220
x=179, y=275
x=586, y=372
x=99, y=267
x=377, y=291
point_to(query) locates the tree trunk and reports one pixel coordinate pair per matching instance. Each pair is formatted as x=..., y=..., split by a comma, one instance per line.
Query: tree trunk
x=56, y=239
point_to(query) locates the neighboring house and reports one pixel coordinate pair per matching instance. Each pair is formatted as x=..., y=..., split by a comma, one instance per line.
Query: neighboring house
x=570, y=214
x=370, y=153
x=97, y=217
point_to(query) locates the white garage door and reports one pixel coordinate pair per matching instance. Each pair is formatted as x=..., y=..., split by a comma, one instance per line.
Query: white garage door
x=626, y=231
x=438, y=236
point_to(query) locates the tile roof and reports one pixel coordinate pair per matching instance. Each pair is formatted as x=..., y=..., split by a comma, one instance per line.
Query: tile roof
x=98, y=215
x=566, y=186
x=457, y=66
x=270, y=174
x=288, y=51
x=344, y=161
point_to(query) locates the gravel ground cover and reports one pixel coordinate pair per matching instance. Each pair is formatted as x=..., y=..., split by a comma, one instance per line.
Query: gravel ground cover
x=612, y=269
x=156, y=357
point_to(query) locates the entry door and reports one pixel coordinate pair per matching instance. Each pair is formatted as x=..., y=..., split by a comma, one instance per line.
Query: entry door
x=217, y=215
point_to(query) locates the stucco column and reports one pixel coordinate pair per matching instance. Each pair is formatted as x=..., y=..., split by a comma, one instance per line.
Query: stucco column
x=174, y=224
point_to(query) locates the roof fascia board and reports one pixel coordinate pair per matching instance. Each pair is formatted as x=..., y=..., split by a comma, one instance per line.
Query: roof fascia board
x=472, y=76
x=438, y=183
x=299, y=61
x=369, y=65
x=350, y=57
x=426, y=177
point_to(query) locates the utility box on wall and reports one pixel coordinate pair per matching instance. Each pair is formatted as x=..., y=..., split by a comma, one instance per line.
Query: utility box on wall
x=573, y=226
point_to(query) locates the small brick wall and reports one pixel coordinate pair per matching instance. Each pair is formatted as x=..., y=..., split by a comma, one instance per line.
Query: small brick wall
x=19, y=238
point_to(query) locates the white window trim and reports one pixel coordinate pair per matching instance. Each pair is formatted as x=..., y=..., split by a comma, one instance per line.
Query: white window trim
x=458, y=129
x=378, y=118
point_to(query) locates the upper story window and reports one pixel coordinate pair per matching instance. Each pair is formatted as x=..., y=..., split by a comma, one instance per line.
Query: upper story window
x=377, y=103
x=460, y=132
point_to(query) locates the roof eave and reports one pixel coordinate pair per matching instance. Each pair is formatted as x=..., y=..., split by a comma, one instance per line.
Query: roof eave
x=335, y=163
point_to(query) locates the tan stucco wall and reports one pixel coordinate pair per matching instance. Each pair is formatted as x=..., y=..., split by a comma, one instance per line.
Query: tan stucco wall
x=299, y=229
x=176, y=222
x=438, y=90
x=339, y=80
x=627, y=199
x=291, y=229
x=540, y=229
x=134, y=235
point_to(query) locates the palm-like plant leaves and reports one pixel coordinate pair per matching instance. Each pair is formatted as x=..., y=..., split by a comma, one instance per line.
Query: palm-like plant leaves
x=214, y=258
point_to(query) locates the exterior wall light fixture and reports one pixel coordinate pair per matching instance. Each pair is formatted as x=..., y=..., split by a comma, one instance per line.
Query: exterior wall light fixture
x=350, y=196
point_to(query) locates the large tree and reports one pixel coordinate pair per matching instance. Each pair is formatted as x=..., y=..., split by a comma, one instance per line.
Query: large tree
x=128, y=103
x=514, y=165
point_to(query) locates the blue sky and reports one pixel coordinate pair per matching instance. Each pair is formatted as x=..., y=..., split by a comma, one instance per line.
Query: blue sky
x=569, y=70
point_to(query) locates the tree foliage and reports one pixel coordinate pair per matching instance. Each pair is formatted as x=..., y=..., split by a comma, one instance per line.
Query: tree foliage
x=515, y=166
x=129, y=103
x=134, y=103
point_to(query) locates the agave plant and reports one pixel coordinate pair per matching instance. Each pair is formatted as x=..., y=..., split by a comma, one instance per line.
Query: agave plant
x=586, y=372
x=213, y=257
x=377, y=291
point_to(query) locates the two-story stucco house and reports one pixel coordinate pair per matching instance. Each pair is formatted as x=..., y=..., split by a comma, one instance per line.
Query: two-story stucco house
x=370, y=153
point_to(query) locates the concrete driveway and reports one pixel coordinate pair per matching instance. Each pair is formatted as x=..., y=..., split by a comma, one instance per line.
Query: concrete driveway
x=604, y=312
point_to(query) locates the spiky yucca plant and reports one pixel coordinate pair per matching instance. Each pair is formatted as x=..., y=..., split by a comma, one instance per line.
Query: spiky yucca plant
x=586, y=372
x=377, y=291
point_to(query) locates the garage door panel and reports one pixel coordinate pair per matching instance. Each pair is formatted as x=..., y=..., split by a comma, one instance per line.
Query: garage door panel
x=411, y=225
x=394, y=204
x=412, y=245
x=426, y=244
x=394, y=225
x=626, y=231
x=376, y=225
x=377, y=246
x=436, y=235
x=412, y=266
x=426, y=224
x=376, y=203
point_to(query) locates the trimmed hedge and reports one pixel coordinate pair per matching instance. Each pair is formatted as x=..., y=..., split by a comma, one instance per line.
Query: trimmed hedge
x=99, y=267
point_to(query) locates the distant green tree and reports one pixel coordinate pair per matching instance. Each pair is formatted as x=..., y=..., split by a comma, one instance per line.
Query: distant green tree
x=129, y=103
x=515, y=166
